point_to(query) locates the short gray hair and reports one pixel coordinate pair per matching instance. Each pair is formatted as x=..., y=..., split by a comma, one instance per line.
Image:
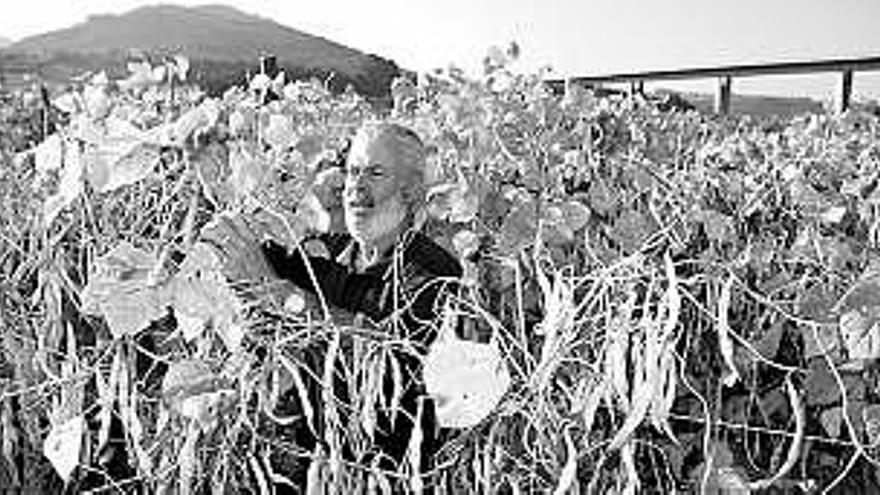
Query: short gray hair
x=408, y=145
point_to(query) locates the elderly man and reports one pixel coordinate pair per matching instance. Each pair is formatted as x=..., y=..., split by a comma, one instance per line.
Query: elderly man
x=389, y=273
x=383, y=182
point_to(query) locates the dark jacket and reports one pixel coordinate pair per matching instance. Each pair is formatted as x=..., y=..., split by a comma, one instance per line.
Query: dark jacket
x=425, y=270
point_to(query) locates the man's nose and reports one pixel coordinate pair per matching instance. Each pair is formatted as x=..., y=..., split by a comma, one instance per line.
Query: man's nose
x=356, y=186
x=355, y=179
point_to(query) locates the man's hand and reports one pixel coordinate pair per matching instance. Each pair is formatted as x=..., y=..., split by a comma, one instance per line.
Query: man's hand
x=283, y=228
x=238, y=246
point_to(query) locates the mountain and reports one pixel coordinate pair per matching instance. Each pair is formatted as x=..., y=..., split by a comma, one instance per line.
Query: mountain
x=216, y=38
x=4, y=42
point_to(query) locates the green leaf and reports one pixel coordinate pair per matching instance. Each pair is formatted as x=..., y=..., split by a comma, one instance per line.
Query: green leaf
x=861, y=336
x=864, y=295
x=519, y=227
x=630, y=230
x=601, y=198
x=871, y=420
x=718, y=227
x=832, y=419
x=821, y=387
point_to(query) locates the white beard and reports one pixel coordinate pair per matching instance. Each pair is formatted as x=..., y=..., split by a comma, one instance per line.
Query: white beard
x=383, y=220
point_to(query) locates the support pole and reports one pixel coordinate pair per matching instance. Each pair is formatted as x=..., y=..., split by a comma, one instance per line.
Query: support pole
x=722, y=95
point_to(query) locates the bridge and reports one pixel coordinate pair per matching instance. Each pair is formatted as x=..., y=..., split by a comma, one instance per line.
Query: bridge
x=845, y=67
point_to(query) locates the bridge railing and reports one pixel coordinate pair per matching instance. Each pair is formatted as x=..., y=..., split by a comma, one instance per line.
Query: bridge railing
x=844, y=67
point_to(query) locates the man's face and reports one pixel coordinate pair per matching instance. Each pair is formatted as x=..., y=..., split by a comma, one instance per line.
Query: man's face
x=372, y=196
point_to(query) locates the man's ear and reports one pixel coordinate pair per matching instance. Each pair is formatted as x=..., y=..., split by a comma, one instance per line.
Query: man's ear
x=413, y=195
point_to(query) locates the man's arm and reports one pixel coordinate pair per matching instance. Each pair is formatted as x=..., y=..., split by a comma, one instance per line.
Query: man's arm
x=434, y=271
x=353, y=292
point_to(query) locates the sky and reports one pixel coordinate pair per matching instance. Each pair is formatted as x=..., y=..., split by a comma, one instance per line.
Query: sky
x=574, y=37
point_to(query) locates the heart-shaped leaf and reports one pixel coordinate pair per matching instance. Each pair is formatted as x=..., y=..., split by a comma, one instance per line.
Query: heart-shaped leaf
x=200, y=295
x=193, y=390
x=121, y=290
x=466, y=379
x=63, y=445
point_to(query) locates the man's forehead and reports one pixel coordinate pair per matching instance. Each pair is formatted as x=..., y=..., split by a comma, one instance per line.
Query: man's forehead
x=372, y=147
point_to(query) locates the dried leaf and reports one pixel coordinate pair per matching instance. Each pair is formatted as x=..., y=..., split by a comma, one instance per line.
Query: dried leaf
x=295, y=303
x=196, y=120
x=49, y=154
x=211, y=164
x=724, y=478
x=67, y=102
x=70, y=184
x=193, y=390
x=120, y=290
x=190, y=326
x=62, y=446
x=199, y=292
x=301, y=390
x=833, y=215
x=794, y=449
x=109, y=169
x=317, y=476
x=723, y=329
x=454, y=202
x=181, y=66
x=97, y=102
x=466, y=243
x=187, y=460
x=414, y=452
x=728, y=481
x=279, y=132
x=247, y=170
x=569, y=472
x=260, y=82
x=466, y=380
x=10, y=439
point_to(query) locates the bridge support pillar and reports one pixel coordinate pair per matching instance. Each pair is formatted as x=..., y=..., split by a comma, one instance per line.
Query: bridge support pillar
x=843, y=96
x=636, y=88
x=722, y=95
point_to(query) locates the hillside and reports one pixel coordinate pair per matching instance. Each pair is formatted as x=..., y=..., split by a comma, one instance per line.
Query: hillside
x=211, y=36
x=4, y=42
